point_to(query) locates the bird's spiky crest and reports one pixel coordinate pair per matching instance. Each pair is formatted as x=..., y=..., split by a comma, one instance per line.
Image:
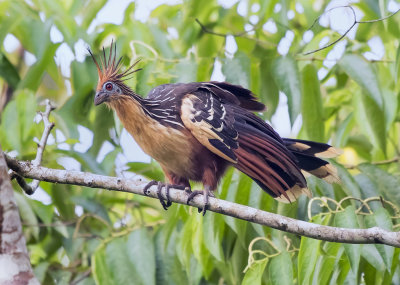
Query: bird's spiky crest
x=109, y=69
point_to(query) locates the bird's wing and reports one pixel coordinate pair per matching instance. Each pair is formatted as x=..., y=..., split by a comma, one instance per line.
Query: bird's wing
x=211, y=123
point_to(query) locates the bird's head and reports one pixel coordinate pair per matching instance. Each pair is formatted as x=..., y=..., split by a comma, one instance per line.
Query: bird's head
x=111, y=84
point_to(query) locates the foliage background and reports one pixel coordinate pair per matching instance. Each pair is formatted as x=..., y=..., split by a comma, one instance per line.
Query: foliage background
x=342, y=94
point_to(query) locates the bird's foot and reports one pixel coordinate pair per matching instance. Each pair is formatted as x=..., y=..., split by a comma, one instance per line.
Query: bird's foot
x=151, y=183
x=167, y=186
x=206, y=193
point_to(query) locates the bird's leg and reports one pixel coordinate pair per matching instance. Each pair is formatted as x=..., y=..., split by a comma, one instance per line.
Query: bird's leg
x=206, y=193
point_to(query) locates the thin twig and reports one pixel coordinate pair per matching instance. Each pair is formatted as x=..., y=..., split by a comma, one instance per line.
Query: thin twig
x=51, y=225
x=371, y=235
x=243, y=33
x=336, y=60
x=349, y=29
x=85, y=275
x=395, y=159
x=382, y=162
x=48, y=126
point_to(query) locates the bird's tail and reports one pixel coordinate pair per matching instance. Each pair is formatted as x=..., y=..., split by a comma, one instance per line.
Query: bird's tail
x=309, y=154
x=279, y=165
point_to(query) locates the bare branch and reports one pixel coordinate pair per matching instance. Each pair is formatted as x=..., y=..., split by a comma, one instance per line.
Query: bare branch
x=371, y=235
x=243, y=33
x=48, y=126
x=349, y=29
x=381, y=162
x=336, y=60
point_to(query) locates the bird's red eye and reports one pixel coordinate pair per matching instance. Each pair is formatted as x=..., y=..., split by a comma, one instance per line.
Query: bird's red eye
x=109, y=87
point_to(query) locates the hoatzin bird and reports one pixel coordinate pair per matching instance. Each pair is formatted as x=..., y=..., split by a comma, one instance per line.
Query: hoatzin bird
x=197, y=130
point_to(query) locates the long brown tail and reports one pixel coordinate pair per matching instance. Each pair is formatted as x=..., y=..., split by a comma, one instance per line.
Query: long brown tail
x=278, y=165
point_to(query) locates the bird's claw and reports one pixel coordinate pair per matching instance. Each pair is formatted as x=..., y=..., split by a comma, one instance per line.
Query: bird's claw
x=151, y=183
x=159, y=189
x=160, y=185
x=206, y=193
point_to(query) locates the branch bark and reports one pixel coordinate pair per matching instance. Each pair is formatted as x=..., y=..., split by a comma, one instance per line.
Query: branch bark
x=334, y=234
x=14, y=258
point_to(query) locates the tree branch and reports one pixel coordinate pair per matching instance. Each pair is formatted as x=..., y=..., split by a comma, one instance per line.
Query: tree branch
x=342, y=235
x=14, y=258
x=349, y=29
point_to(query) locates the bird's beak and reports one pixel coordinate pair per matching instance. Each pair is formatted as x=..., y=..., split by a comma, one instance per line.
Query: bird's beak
x=100, y=97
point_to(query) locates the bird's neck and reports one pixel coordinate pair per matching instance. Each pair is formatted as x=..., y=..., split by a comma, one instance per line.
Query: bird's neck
x=131, y=113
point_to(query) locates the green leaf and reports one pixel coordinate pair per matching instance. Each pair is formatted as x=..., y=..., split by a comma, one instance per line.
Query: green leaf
x=33, y=78
x=40, y=271
x=381, y=218
x=169, y=269
x=350, y=185
x=77, y=108
x=185, y=71
x=102, y=124
x=397, y=66
x=388, y=184
x=269, y=92
x=151, y=170
x=60, y=195
x=363, y=74
x=308, y=253
x=348, y=219
x=161, y=42
x=239, y=193
x=44, y=212
x=101, y=272
x=8, y=71
x=213, y=229
x=343, y=268
x=118, y=261
x=371, y=118
x=237, y=69
x=281, y=269
x=287, y=77
x=312, y=110
x=327, y=265
x=17, y=125
x=254, y=274
x=140, y=248
x=92, y=206
x=371, y=254
x=307, y=259
x=27, y=214
x=90, y=11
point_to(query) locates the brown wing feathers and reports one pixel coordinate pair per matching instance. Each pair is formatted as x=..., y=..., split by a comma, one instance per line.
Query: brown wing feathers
x=218, y=114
